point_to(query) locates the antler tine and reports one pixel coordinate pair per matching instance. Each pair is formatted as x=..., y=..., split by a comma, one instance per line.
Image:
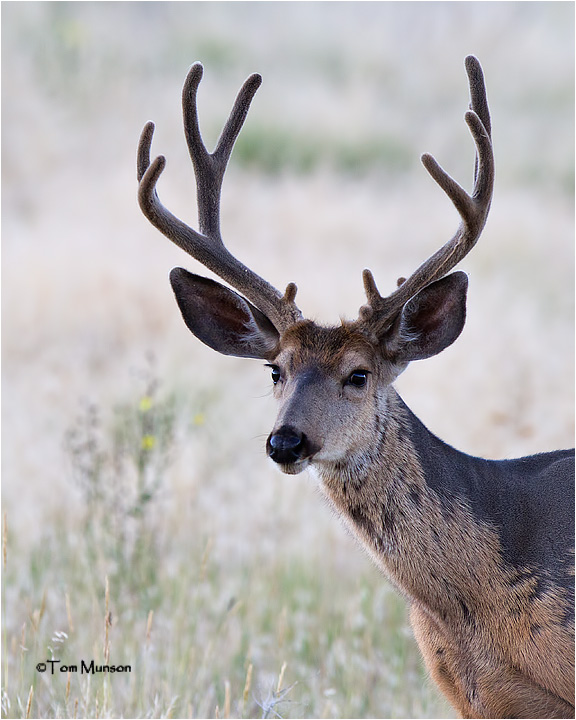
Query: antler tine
x=207, y=246
x=473, y=210
x=210, y=168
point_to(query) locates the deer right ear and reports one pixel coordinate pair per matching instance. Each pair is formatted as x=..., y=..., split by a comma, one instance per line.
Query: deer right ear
x=222, y=319
x=431, y=320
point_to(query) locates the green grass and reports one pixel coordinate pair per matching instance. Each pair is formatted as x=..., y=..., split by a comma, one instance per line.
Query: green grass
x=277, y=150
x=203, y=638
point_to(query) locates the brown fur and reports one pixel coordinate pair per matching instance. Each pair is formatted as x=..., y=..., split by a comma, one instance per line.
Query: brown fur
x=493, y=645
x=494, y=636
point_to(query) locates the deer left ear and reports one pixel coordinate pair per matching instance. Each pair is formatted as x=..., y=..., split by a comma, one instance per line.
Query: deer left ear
x=430, y=321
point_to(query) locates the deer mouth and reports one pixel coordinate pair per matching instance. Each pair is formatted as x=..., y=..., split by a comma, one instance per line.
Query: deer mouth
x=294, y=468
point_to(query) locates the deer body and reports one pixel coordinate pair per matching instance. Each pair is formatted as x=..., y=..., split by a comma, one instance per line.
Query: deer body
x=481, y=549
x=491, y=617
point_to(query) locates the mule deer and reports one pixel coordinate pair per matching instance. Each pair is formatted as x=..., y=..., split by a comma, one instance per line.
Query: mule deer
x=481, y=549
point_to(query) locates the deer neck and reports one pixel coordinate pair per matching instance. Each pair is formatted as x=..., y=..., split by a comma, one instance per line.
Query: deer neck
x=402, y=506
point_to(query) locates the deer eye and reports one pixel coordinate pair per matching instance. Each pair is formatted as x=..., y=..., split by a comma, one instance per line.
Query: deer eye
x=358, y=378
x=275, y=370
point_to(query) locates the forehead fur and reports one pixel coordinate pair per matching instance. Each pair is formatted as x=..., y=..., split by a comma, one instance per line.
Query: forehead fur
x=307, y=341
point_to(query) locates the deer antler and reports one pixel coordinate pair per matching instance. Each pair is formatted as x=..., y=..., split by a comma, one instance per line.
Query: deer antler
x=380, y=312
x=206, y=245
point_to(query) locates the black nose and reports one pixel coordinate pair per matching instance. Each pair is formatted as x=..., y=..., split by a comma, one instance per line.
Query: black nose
x=286, y=445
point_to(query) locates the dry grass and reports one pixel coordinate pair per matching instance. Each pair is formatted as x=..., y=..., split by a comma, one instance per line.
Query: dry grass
x=240, y=566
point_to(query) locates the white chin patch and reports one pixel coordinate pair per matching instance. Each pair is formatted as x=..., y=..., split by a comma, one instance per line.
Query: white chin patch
x=294, y=468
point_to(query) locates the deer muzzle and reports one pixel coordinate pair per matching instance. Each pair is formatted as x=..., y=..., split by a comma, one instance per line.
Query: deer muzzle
x=289, y=448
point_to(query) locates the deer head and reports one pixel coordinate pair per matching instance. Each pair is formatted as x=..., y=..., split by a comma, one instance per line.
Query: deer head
x=332, y=383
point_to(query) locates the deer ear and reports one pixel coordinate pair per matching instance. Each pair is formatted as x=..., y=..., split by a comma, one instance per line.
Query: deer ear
x=430, y=321
x=222, y=319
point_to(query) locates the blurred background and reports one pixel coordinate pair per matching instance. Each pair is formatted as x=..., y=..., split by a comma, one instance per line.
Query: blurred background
x=133, y=456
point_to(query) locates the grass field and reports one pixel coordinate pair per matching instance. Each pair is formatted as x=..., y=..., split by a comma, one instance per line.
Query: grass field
x=142, y=523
